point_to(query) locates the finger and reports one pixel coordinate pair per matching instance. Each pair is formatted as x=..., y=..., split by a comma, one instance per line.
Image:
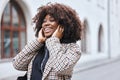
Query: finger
x=58, y=28
x=61, y=28
x=41, y=30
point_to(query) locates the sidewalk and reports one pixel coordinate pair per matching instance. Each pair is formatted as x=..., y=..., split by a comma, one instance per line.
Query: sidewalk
x=12, y=78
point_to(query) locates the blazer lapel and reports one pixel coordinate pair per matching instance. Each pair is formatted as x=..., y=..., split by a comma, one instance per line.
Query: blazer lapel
x=47, y=69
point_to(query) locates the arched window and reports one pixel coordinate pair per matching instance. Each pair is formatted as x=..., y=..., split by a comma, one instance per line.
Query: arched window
x=85, y=41
x=13, y=30
x=100, y=39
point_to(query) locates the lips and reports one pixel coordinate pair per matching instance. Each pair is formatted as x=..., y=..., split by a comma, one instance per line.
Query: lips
x=47, y=30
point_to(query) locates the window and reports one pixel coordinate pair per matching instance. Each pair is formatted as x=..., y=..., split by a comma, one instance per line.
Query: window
x=117, y=8
x=101, y=4
x=100, y=39
x=85, y=41
x=13, y=30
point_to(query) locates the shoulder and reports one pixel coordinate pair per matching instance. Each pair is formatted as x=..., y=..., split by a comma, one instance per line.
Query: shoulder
x=74, y=47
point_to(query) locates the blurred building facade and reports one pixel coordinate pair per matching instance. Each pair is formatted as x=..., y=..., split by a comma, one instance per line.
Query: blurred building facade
x=100, y=35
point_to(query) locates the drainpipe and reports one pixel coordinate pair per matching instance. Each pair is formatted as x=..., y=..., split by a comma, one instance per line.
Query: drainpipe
x=108, y=22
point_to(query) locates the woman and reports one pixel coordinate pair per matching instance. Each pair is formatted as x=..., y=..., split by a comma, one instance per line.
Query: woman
x=54, y=52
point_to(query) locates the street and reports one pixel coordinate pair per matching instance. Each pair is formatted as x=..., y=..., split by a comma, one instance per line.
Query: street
x=110, y=71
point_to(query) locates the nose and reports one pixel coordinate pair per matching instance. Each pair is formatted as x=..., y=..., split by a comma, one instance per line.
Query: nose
x=46, y=23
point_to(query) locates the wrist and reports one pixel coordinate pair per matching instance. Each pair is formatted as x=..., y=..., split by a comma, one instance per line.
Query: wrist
x=40, y=40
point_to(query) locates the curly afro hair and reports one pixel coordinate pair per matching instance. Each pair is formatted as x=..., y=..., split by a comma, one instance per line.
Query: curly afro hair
x=64, y=16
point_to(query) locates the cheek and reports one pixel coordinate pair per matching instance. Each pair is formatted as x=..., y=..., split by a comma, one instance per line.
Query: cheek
x=54, y=29
x=55, y=26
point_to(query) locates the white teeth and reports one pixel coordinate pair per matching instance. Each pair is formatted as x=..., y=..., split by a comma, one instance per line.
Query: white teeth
x=47, y=29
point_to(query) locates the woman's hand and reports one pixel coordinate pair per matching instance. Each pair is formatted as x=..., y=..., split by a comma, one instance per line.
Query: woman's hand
x=59, y=32
x=41, y=37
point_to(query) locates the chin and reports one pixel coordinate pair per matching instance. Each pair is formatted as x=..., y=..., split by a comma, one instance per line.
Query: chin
x=48, y=36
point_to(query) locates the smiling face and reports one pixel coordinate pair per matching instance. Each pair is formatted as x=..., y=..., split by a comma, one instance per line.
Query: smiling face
x=49, y=26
